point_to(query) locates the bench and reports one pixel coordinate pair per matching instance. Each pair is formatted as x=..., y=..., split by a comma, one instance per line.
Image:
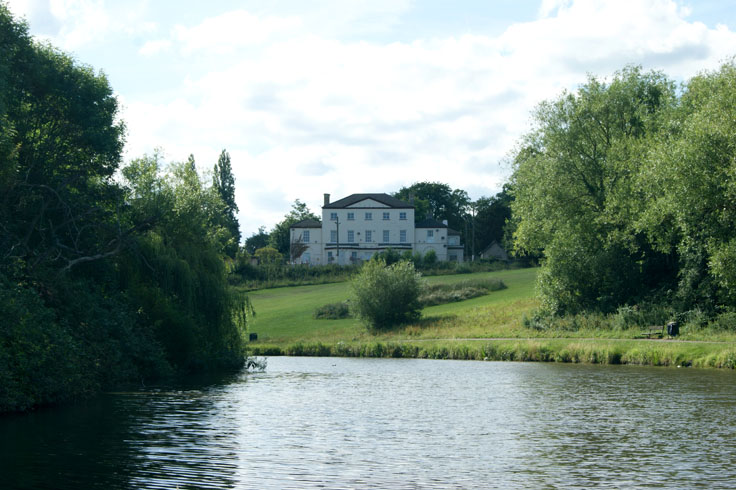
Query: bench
x=652, y=332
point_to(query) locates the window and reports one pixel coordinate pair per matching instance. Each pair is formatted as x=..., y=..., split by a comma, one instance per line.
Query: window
x=386, y=216
x=353, y=256
x=402, y=216
x=402, y=236
x=351, y=216
x=333, y=216
x=385, y=236
x=305, y=236
x=368, y=236
x=333, y=236
x=368, y=216
x=430, y=236
x=330, y=258
x=351, y=236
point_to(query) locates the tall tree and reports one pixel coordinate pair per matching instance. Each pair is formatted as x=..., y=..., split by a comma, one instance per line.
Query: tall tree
x=59, y=199
x=224, y=182
x=256, y=240
x=576, y=195
x=279, y=237
x=439, y=201
x=691, y=191
x=491, y=215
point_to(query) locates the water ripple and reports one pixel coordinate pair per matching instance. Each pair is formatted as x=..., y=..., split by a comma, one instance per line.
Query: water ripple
x=399, y=424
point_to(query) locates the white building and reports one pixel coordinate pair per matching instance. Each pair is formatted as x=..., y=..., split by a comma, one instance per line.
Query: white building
x=356, y=227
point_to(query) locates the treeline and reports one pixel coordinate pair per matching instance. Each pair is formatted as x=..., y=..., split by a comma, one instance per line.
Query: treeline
x=102, y=280
x=479, y=222
x=628, y=189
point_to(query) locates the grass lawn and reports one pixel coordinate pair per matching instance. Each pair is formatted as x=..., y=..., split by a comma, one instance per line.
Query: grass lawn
x=285, y=314
x=486, y=327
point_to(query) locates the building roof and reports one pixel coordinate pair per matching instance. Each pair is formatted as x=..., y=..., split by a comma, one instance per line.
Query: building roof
x=430, y=223
x=307, y=223
x=451, y=232
x=385, y=199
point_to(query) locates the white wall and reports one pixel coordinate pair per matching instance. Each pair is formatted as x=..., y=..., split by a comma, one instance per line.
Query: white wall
x=438, y=242
x=313, y=255
x=359, y=225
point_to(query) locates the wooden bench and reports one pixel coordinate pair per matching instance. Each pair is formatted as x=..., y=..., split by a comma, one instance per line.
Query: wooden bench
x=652, y=332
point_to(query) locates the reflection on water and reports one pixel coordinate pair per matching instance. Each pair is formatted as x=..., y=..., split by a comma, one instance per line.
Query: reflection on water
x=376, y=423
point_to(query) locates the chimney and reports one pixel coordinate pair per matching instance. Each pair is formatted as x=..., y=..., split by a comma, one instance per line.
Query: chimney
x=327, y=199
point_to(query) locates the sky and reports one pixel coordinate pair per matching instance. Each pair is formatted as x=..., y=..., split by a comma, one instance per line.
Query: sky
x=356, y=96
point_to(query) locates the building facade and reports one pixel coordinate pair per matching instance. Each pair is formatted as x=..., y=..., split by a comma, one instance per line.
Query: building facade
x=354, y=228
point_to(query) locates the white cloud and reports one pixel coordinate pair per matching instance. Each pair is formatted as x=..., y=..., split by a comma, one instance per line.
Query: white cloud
x=376, y=116
x=231, y=31
x=306, y=104
x=72, y=24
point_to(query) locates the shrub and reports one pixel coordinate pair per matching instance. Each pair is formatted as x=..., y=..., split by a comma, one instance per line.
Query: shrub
x=430, y=258
x=389, y=256
x=384, y=296
x=333, y=311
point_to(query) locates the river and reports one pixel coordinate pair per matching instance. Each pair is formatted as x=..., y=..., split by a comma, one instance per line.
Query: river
x=389, y=424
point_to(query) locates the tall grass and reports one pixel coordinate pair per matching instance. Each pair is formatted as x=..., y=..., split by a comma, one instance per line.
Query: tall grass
x=600, y=351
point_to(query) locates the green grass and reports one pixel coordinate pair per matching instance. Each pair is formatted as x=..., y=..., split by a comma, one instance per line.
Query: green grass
x=285, y=315
x=486, y=327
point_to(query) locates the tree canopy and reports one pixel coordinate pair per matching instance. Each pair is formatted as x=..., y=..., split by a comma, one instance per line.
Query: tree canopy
x=625, y=186
x=101, y=281
x=223, y=181
x=280, y=238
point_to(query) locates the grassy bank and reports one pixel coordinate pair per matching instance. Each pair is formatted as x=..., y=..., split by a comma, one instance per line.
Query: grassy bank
x=593, y=351
x=487, y=327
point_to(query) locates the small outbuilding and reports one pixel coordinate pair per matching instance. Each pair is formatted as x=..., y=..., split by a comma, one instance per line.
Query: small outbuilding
x=494, y=251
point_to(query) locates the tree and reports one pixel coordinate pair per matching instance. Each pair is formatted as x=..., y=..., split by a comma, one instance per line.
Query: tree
x=384, y=296
x=256, y=240
x=491, y=215
x=175, y=273
x=280, y=238
x=269, y=256
x=437, y=200
x=689, y=183
x=224, y=182
x=576, y=196
x=59, y=205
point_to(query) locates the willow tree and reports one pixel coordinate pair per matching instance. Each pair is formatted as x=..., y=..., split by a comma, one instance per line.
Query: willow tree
x=175, y=272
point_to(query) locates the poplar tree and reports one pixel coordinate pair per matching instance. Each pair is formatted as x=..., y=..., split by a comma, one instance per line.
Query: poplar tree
x=224, y=183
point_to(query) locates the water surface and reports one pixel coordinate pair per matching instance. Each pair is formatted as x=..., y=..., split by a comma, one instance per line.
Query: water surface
x=379, y=423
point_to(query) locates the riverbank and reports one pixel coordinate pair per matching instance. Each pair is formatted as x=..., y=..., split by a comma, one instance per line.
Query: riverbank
x=489, y=327
x=590, y=351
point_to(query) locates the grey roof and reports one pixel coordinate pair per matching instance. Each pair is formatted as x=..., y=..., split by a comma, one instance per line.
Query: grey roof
x=430, y=223
x=451, y=232
x=389, y=201
x=307, y=223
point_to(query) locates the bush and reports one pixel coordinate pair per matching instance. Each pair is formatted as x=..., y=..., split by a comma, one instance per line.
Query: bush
x=385, y=296
x=333, y=311
x=389, y=256
x=430, y=258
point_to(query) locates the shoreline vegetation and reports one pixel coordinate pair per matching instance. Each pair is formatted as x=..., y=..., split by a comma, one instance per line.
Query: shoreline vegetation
x=492, y=327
